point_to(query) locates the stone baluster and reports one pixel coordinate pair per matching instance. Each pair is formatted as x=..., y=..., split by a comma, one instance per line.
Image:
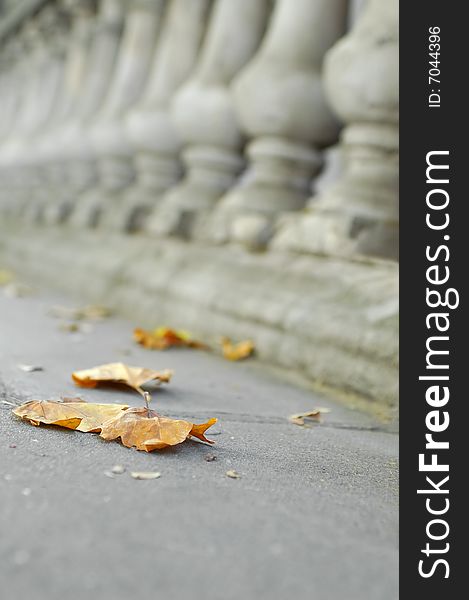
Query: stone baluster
x=104, y=52
x=83, y=16
x=17, y=84
x=9, y=70
x=75, y=146
x=29, y=79
x=48, y=148
x=359, y=213
x=107, y=134
x=204, y=115
x=48, y=67
x=149, y=126
x=281, y=104
x=55, y=30
x=36, y=49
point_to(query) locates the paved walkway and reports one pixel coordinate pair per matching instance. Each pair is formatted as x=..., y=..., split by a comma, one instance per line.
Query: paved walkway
x=313, y=516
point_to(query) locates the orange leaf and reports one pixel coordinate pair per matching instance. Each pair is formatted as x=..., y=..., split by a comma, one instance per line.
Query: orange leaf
x=141, y=428
x=134, y=377
x=146, y=430
x=163, y=337
x=237, y=351
x=72, y=413
x=199, y=430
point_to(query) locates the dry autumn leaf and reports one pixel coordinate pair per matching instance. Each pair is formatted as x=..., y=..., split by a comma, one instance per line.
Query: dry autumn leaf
x=237, y=351
x=72, y=413
x=133, y=377
x=136, y=427
x=164, y=337
x=146, y=430
x=314, y=415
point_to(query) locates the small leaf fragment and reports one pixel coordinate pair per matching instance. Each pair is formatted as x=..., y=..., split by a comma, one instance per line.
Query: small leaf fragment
x=164, y=337
x=145, y=475
x=233, y=474
x=237, y=351
x=133, y=377
x=313, y=415
x=118, y=469
x=30, y=368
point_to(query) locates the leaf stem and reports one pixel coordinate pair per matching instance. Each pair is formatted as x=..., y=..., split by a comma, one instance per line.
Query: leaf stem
x=147, y=399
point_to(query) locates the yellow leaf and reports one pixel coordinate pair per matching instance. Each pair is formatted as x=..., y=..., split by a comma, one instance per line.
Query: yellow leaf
x=133, y=377
x=146, y=430
x=182, y=334
x=163, y=337
x=72, y=413
x=237, y=351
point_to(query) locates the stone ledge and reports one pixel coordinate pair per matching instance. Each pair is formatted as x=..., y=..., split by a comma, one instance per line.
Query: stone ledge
x=334, y=321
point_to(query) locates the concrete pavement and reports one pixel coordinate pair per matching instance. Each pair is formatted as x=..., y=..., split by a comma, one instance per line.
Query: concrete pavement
x=314, y=514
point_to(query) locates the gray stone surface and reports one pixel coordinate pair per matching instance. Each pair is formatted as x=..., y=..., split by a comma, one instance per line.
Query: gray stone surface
x=314, y=514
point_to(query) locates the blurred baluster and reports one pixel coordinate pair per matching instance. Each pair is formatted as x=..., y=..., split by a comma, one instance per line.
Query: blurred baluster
x=111, y=147
x=205, y=118
x=359, y=213
x=149, y=125
x=281, y=104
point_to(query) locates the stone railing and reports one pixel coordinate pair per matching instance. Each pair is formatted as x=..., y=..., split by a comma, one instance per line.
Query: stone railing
x=249, y=146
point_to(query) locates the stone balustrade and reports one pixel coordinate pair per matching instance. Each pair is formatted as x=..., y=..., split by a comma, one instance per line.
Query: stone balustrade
x=257, y=136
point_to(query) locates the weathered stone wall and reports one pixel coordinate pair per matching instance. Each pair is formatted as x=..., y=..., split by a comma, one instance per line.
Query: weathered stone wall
x=225, y=165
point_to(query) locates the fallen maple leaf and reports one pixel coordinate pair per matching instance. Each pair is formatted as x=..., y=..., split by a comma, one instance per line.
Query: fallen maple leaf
x=141, y=428
x=146, y=430
x=164, y=337
x=133, y=377
x=72, y=413
x=314, y=415
x=237, y=351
